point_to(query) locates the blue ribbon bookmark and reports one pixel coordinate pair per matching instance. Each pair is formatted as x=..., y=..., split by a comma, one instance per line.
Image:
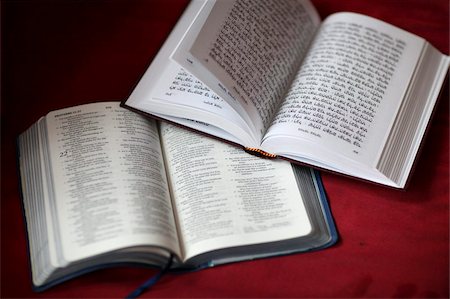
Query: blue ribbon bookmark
x=152, y=281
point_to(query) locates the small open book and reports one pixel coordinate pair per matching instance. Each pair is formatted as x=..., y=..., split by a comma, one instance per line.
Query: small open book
x=102, y=185
x=351, y=94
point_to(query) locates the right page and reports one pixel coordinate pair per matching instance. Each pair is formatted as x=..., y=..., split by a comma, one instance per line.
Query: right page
x=224, y=197
x=344, y=100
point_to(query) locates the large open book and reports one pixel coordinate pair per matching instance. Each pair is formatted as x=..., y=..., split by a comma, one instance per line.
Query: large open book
x=351, y=94
x=102, y=185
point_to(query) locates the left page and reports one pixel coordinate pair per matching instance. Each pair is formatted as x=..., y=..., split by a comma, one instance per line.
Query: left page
x=224, y=197
x=110, y=185
x=170, y=92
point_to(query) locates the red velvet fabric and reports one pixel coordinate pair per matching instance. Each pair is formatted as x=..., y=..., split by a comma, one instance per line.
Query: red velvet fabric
x=59, y=53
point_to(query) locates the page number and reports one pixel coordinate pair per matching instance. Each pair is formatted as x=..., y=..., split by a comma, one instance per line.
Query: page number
x=63, y=154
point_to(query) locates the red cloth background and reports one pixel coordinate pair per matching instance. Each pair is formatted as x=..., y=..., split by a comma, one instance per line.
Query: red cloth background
x=59, y=53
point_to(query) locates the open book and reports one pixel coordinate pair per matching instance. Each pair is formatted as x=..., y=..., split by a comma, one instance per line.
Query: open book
x=351, y=94
x=102, y=185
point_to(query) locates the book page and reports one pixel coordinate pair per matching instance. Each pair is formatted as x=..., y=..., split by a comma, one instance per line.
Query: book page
x=349, y=88
x=170, y=92
x=224, y=197
x=188, y=98
x=110, y=184
x=248, y=52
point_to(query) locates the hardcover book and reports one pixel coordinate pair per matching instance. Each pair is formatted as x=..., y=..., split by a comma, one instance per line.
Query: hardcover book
x=350, y=94
x=104, y=186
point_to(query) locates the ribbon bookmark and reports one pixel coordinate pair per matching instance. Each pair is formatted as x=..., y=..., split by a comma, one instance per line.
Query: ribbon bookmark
x=259, y=153
x=152, y=281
